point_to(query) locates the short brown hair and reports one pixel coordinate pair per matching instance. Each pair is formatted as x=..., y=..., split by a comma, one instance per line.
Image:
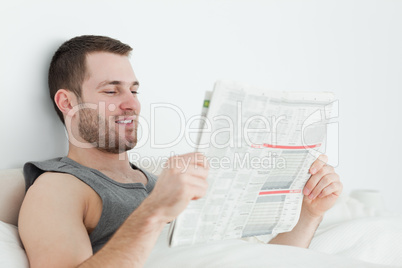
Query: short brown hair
x=68, y=66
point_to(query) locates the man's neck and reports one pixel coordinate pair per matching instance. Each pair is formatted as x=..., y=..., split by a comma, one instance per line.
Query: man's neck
x=100, y=160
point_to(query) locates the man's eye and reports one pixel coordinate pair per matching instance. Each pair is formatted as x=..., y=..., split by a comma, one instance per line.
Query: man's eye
x=110, y=92
x=134, y=92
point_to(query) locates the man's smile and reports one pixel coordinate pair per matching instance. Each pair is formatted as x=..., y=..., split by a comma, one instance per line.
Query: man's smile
x=126, y=120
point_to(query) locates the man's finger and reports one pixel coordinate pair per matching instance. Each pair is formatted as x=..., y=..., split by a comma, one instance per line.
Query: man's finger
x=334, y=188
x=199, y=189
x=318, y=164
x=200, y=160
x=324, y=182
x=195, y=158
x=182, y=162
x=197, y=171
x=314, y=179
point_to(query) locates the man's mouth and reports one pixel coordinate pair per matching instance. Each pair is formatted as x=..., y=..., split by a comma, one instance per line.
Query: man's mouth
x=124, y=121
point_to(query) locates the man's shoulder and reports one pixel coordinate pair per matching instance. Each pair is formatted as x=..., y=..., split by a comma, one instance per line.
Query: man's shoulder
x=51, y=178
x=52, y=164
x=61, y=190
x=56, y=177
x=55, y=168
x=59, y=184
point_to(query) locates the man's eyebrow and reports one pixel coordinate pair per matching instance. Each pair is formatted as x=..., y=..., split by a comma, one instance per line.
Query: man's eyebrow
x=115, y=82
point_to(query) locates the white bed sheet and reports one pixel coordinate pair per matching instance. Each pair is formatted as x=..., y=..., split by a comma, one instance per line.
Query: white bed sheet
x=241, y=253
x=352, y=234
x=371, y=239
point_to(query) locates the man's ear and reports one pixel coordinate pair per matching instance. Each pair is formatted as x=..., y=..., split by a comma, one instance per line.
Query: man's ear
x=65, y=100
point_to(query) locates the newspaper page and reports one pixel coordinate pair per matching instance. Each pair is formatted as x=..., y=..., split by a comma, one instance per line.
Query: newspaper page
x=260, y=145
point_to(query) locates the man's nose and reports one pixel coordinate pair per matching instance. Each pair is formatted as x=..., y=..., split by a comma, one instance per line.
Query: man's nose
x=129, y=101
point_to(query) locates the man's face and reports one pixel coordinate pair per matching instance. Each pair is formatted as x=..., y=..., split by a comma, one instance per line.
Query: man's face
x=109, y=91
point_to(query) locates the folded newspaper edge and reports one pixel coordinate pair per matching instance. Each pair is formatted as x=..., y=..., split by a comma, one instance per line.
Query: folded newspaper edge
x=245, y=200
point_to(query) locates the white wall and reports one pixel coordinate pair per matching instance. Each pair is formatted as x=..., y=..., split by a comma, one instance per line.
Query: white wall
x=352, y=48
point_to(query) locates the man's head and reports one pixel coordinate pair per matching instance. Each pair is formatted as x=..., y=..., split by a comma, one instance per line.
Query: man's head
x=94, y=89
x=68, y=66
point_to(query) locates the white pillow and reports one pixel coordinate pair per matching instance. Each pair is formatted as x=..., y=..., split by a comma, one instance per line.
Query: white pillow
x=12, y=253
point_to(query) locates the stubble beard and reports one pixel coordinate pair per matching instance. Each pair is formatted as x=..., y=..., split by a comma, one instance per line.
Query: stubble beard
x=102, y=134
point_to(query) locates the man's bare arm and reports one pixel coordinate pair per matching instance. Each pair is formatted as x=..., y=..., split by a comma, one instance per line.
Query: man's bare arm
x=176, y=186
x=51, y=222
x=132, y=243
x=301, y=234
x=54, y=235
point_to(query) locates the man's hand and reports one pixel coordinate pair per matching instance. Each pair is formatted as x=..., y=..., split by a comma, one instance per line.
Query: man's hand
x=321, y=190
x=183, y=180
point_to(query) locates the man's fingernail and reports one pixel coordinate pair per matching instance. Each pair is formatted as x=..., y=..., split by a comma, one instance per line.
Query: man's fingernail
x=306, y=191
x=311, y=196
x=313, y=170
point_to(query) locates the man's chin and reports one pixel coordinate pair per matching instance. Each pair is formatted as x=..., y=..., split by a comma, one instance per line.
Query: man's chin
x=118, y=149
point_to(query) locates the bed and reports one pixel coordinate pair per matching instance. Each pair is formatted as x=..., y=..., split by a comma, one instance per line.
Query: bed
x=356, y=232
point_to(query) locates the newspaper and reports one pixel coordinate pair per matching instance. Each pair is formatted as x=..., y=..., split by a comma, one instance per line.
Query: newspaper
x=260, y=145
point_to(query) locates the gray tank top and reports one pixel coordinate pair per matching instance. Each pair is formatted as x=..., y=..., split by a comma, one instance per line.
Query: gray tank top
x=119, y=200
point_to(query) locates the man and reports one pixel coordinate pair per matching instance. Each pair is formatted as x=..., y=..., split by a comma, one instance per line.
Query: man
x=95, y=209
